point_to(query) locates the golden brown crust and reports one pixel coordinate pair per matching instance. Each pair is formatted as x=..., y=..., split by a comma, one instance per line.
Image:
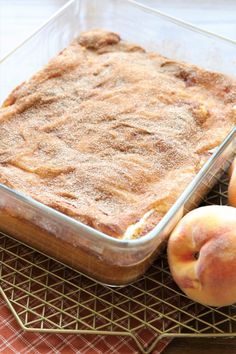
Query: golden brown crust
x=106, y=268
x=107, y=131
x=96, y=39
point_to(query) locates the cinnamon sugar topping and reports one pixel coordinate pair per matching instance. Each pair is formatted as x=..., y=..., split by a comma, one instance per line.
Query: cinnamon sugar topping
x=106, y=131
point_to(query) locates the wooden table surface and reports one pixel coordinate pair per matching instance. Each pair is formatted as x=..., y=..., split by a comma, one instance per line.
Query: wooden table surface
x=18, y=18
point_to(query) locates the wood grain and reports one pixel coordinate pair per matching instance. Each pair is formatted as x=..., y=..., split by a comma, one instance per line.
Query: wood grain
x=19, y=18
x=201, y=346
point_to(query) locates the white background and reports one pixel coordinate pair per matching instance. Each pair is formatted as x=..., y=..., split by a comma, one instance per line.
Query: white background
x=18, y=18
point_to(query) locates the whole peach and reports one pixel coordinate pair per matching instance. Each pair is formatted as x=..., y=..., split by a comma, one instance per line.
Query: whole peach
x=232, y=185
x=202, y=255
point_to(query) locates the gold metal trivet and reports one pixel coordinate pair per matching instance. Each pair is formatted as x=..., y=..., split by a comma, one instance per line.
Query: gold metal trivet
x=46, y=296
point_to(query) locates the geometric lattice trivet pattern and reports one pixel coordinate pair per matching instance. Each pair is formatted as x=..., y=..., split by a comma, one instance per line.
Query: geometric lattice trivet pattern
x=47, y=296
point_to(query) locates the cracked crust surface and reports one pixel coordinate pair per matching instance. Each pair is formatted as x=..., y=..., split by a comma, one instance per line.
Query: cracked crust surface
x=107, y=131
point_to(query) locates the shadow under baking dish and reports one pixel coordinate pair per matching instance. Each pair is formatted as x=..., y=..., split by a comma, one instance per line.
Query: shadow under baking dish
x=49, y=297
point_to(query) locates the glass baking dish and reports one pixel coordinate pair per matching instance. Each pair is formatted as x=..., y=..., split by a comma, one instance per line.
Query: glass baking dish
x=109, y=260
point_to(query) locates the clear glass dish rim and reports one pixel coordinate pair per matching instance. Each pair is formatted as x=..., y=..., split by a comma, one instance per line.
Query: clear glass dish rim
x=157, y=229
x=186, y=193
x=135, y=3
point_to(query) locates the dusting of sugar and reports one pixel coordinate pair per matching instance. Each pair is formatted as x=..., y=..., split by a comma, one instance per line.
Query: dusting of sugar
x=96, y=137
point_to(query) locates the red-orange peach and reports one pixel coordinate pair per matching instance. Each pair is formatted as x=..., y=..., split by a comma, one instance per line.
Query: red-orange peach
x=232, y=185
x=202, y=255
